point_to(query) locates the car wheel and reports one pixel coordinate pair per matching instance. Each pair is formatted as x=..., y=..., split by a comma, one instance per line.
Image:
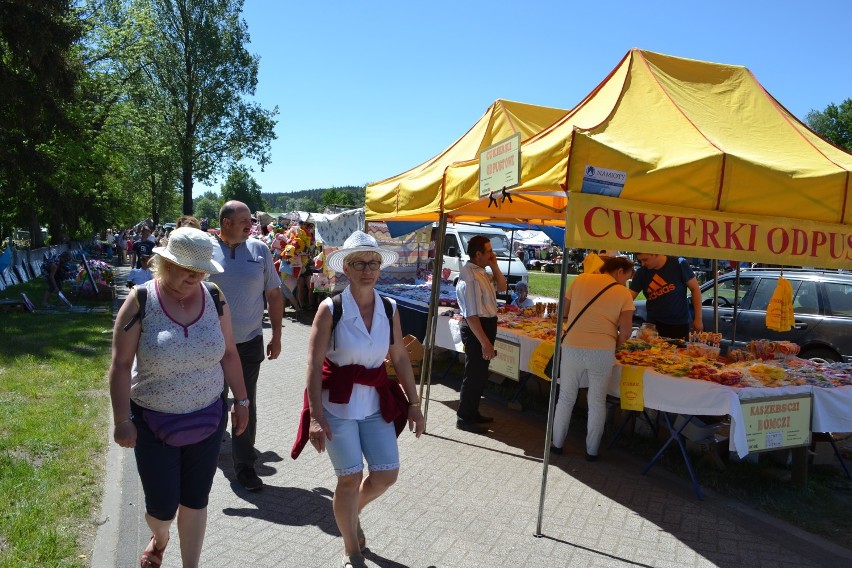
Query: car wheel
x=820, y=353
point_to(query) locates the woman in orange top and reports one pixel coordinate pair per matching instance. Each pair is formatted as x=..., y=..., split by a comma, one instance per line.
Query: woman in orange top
x=589, y=347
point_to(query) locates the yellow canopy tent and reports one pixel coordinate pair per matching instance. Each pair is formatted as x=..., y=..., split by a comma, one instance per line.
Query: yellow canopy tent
x=714, y=167
x=416, y=195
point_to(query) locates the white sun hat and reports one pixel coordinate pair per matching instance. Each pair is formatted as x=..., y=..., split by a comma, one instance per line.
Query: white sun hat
x=192, y=249
x=359, y=241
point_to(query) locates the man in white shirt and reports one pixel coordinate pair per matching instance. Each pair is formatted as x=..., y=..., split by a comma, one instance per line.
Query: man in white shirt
x=478, y=303
x=139, y=276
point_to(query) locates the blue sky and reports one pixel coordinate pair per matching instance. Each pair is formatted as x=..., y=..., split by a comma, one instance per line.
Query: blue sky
x=369, y=89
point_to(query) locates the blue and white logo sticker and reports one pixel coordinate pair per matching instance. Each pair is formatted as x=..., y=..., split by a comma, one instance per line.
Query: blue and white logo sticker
x=603, y=181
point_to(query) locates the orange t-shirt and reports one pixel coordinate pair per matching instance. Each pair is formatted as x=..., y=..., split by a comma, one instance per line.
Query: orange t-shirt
x=597, y=328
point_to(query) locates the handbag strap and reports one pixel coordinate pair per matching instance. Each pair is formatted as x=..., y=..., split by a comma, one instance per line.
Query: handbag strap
x=586, y=307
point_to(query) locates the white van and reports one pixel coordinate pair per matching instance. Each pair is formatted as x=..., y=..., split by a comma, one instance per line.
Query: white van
x=455, y=251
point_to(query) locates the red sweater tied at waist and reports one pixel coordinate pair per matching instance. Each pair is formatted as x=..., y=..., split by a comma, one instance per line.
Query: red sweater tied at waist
x=339, y=381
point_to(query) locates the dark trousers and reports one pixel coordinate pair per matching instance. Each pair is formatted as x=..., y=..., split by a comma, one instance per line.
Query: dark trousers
x=475, y=369
x=252, y=353
x=174, y=476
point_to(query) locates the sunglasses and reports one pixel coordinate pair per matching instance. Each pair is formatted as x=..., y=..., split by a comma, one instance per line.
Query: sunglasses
x=361, y=265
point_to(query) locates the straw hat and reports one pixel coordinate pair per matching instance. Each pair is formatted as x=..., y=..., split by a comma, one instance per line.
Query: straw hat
x=358, y=241
x=192, y=249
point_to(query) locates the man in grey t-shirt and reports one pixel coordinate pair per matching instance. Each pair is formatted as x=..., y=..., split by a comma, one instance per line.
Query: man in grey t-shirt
x=249, y=277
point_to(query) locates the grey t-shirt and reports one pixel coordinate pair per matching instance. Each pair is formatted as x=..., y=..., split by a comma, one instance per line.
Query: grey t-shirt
x=249, y=271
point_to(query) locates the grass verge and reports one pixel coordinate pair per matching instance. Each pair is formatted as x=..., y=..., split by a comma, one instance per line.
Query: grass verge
x=55, y=410
x=547, y=283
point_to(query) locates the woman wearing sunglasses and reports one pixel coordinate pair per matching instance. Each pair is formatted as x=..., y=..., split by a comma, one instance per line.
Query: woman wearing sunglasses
x=353, y=410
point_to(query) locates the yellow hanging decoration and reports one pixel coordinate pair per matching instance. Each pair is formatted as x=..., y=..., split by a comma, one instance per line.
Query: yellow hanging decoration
x=592, y=263
x=779, y=312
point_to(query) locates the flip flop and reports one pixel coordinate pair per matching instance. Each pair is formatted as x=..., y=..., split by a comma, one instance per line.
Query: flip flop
x=152, y=558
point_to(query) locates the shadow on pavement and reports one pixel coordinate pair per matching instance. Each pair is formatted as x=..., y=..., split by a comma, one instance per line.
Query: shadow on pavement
x=286, y=506
x=598, y=552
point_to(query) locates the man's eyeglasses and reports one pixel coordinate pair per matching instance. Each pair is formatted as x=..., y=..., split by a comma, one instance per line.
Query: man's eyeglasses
x=360, y=265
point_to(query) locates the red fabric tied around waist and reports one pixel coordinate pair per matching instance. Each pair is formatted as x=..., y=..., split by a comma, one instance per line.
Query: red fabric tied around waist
x=339, y=381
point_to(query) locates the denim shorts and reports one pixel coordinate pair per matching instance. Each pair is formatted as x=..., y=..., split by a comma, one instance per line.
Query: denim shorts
x=372, y=438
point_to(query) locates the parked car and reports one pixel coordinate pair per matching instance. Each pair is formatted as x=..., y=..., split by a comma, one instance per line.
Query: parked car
x=822, y=304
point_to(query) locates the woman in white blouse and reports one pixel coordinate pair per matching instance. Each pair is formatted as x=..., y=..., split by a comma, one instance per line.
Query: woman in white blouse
x=355, y=410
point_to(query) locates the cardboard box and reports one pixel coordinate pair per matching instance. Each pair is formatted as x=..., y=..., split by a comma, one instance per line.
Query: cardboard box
x=415, y=354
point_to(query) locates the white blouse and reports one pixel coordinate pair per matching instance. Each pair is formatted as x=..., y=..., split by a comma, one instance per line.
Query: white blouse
x=352, y=344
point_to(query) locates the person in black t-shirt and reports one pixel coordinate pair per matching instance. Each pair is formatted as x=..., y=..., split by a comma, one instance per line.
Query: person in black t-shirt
x=143, y=247
x=664, y=280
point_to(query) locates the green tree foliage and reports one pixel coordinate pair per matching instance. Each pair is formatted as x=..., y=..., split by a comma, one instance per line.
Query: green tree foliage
x=834, y=124
x=242, y=187
x=207, y=206
x=39, y=72
x=304, y=204
x=199, y=71
x=315, y=200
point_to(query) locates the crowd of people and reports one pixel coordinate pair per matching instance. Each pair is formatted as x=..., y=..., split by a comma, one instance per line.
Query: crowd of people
x=202, y=340
x=203, y=296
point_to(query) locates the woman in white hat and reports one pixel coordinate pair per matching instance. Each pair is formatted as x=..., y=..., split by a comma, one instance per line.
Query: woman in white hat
x=166, y=382
x=354, y=411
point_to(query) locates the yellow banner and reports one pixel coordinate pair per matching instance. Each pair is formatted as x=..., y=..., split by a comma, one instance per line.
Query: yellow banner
x=539, y=358
x=597, y=221
x=777, y=422
x=632, y=387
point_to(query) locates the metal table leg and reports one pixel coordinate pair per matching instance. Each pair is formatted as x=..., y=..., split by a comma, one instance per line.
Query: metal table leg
x=839, y=455
x=675, y=435
x=632, y=414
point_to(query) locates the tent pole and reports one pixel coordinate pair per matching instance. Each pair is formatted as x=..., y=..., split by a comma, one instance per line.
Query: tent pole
x=736, y=305
x=509, y=262
x=551, y=407
x=715, y=296
x=432, y=317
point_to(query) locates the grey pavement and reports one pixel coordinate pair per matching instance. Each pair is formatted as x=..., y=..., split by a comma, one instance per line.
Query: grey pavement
x=462, y=500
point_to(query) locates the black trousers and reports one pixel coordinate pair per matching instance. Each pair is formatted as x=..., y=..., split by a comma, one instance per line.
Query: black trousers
x=475, y=369
x=252, y=353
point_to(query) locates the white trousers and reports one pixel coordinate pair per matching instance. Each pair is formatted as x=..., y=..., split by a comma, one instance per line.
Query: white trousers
x=597, y=364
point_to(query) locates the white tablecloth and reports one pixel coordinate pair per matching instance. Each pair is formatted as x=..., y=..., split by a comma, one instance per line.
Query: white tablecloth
x=444, y=338
x=832, y=408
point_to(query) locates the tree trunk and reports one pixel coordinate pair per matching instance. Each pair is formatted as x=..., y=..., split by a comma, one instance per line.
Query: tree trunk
x=35, y=232
x=187, y=190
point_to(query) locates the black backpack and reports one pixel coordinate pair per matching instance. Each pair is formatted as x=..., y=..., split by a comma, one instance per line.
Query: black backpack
x=142, y=298
x=337, y=313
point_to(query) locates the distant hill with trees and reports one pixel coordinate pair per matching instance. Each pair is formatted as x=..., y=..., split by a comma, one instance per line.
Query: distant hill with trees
x=315, y=200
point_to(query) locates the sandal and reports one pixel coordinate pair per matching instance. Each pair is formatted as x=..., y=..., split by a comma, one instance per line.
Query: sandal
x=152, y=558
x=354, y=562
x=362, y=540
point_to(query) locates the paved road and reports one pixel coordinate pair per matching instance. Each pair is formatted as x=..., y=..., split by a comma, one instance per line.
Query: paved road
x=463, y=500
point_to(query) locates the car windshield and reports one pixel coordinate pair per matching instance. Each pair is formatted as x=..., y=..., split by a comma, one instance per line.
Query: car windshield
x=499, y=243
x=727, y=292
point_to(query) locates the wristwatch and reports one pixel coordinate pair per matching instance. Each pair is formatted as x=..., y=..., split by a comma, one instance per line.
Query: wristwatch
x=244, y=402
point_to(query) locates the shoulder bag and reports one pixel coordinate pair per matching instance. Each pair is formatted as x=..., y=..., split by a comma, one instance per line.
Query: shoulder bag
x=548, y=369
